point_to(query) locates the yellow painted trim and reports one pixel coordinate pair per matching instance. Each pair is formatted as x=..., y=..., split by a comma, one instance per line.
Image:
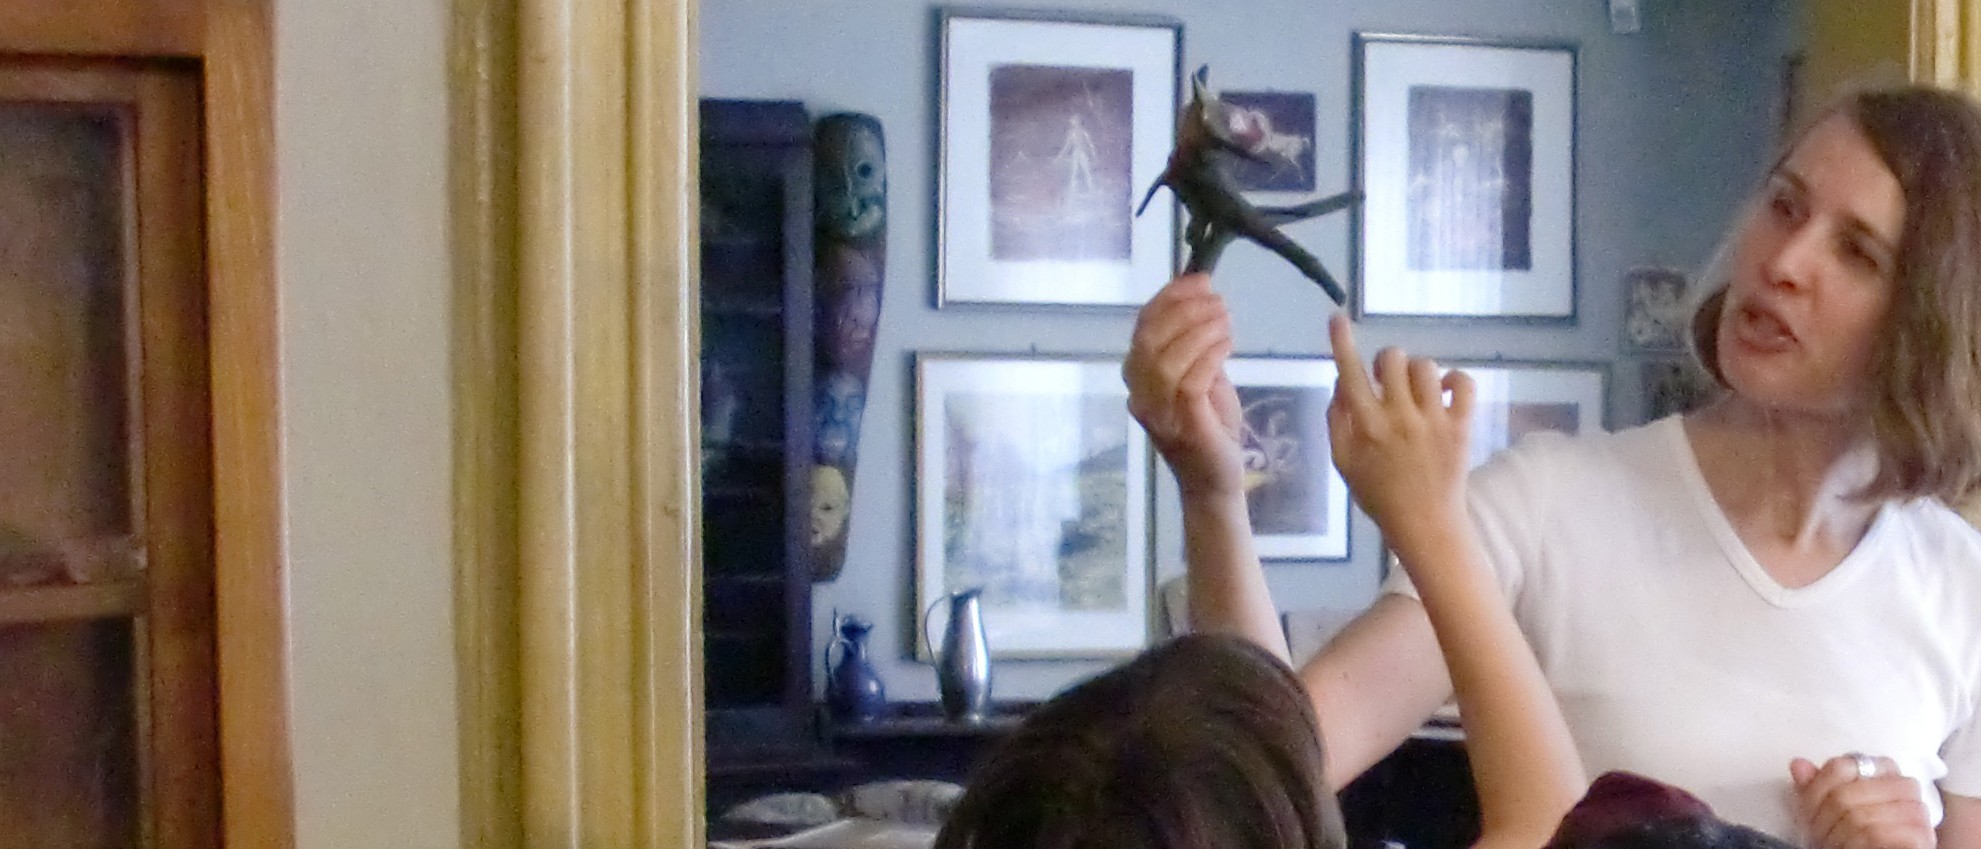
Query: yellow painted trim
x=1946, y=43
x=1852, y=44
x=482, y=186
x=576, y=507
x=665, y=129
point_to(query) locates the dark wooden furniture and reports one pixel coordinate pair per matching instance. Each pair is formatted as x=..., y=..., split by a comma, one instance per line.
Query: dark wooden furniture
x=107, y=624
x=756, y=291
x=1420, y=797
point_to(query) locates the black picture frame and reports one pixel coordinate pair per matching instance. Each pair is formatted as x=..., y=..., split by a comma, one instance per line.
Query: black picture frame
x=1050, y=127
x=1465, y=152
x=1033, y=483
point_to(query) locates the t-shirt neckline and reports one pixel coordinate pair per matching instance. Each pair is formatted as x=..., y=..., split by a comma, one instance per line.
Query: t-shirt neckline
x=1741, y=559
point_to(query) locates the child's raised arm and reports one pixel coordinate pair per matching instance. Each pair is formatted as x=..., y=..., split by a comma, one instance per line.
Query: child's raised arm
x=1402, y=450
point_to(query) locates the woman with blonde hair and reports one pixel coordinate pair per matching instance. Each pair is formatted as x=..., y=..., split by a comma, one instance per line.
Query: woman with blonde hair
x=1766, y=601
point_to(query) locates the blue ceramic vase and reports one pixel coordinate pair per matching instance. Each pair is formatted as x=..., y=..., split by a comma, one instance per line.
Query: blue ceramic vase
x=853, y=690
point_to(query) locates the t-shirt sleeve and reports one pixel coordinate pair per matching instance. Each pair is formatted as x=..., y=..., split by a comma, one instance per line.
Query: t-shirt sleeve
x=1507, y=506
x=1961, y=751
x=1962, y=755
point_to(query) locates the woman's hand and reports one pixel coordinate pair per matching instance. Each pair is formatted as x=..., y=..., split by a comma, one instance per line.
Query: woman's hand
x=1841, y=810
x=1401, y=449
x=1178, y=390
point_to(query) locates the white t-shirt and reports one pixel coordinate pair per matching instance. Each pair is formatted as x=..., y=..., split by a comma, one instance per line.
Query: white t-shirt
x=1676, y=656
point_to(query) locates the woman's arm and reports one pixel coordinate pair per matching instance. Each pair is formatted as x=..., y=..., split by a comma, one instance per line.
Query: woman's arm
x=1403, y=453
x=1374, y=684
x=1960, y=828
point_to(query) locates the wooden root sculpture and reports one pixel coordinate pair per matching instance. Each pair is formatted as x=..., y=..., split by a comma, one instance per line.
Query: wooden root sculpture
x=1208, y=133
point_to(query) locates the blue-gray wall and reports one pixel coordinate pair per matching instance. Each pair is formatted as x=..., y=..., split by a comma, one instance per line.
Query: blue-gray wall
x=1674, y=124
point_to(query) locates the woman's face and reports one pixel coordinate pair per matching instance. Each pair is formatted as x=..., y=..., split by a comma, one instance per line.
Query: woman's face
x=1813, y=276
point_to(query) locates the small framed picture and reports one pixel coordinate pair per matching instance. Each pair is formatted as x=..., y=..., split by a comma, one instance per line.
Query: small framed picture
x=1674, y=385
x=1654, y=312
x=1516, y=399
x=1051, y=128
x=1465, y=155
x=1295, y=497
x=1032, y=483
x=1286, y=121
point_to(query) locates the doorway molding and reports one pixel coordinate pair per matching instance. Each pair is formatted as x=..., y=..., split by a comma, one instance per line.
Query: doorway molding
x=576, y=472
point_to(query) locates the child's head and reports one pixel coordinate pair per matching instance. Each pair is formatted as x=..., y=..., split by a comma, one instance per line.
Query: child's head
x=1627, y=811
x=1204, y=742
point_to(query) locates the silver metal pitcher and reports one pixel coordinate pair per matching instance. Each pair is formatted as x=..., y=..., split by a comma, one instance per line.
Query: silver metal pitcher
x=963, y=664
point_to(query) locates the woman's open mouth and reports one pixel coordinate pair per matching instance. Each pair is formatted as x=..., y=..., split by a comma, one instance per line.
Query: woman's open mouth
x=1761, y=329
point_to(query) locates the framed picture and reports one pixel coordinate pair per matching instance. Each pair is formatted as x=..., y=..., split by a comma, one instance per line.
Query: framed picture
x=1296, y=498
x=1051, y=130
x=1654, y=310
x=1674, y=385
x=1465, y=154
x=1516, y=399
x=1287, y=121
x=1032, y=482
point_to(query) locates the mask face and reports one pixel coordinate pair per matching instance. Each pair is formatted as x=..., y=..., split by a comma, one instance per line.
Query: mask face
x=849, y=312
x=840, y=400
x=829, y=504
x=851, y=180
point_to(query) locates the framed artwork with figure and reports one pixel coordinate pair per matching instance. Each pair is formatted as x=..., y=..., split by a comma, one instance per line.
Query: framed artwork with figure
x=1286, y=126
x=1655, y=317
x=1465, y=154
x=1032, y=484
x=1050, y=129
x=1296, y=499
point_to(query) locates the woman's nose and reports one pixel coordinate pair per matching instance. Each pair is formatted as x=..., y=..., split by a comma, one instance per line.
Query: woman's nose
x=1797, y=257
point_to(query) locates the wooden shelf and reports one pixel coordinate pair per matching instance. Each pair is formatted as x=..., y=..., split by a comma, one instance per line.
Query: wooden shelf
x=759, y=493
x=747, y=579
x=742, y=307
x=925, y=719
x=37, y=605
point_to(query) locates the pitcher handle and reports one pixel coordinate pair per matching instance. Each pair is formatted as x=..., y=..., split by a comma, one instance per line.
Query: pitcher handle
x=836, y=643
x=927, y=612
x=826, y=657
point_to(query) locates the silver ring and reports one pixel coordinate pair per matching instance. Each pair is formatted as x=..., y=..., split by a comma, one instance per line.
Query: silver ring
x=1867, y=766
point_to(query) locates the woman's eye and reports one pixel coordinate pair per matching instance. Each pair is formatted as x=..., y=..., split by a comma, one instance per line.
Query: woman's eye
x=1861, y=256
x=1784, y=206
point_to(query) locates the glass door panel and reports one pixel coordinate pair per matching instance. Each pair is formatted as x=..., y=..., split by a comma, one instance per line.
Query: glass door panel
x=70, y=768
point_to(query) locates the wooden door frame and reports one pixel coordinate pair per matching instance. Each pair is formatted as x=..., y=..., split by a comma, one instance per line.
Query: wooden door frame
x=233, y=43
x=251, y=606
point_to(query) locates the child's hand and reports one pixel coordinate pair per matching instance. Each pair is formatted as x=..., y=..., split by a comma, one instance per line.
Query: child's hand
x=1177, y=388
x=1401, y=449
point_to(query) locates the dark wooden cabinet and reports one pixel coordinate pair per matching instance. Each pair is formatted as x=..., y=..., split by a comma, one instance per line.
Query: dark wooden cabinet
x=756, y=335
x=108, y=725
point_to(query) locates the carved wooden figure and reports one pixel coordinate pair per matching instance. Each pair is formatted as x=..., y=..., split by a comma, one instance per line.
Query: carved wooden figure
x=1208, y=133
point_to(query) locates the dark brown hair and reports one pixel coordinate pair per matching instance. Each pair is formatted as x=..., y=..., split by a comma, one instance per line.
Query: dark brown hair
x=1203, y=742
x=1925, y=404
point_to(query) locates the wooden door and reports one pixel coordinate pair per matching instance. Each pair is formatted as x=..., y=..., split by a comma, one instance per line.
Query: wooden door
x=107, y=719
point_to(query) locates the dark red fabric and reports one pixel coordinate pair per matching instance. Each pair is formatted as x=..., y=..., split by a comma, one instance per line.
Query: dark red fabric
x=1619, y=800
